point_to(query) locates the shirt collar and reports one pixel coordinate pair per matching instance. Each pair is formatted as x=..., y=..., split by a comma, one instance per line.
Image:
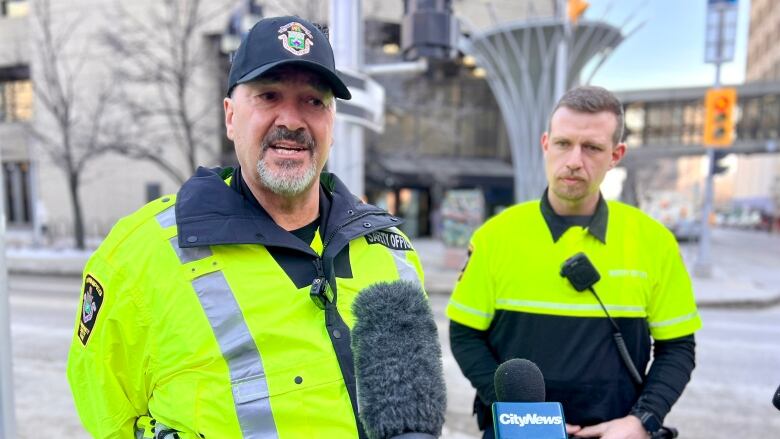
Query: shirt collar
x=558, y=225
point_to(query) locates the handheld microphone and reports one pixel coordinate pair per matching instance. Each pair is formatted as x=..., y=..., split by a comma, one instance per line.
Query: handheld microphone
x=398, y=367
x=522, y=412
x=776, y=399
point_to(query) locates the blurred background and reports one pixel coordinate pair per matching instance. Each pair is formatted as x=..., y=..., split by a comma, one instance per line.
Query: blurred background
x=108, y=104
x=130, y=93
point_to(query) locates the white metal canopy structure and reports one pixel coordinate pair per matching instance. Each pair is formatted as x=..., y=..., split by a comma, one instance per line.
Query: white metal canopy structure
x=520, y=59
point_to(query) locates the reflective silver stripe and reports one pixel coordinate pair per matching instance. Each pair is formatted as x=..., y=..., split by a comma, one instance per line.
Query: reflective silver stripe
x=406, y=270
x=190, y=254
x=675, y=320
x=162, y=431
x=633, y=273
x=247, y=376
x=470, y=310
x=167, y=217
x=568, y=306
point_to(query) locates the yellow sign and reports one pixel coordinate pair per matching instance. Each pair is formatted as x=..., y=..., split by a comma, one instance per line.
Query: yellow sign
x=719, y=104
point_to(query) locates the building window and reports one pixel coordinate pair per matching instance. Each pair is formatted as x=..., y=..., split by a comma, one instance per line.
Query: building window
x=15, y=100
x=14, y=8
x=16, y=186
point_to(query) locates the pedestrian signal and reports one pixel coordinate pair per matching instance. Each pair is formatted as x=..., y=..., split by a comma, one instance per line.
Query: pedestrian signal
x=718, y=164
x=719, y=106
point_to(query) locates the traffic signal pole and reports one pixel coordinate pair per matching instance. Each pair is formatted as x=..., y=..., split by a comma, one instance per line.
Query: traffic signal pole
x=703, y=264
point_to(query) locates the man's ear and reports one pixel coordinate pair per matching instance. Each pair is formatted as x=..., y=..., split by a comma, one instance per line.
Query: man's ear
x=228, y=104
x=544, y=141
x=617, y=154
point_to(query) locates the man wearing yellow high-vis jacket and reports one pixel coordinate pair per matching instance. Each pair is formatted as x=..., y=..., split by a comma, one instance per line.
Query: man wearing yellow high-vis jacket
x=523, y=295
x=225, y=311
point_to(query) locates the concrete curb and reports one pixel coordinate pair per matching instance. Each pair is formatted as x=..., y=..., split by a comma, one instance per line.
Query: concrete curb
x=30, y=271
x=739, y=303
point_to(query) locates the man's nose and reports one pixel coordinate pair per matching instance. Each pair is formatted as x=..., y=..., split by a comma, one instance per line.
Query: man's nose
x=289, y=116
x=574, y=158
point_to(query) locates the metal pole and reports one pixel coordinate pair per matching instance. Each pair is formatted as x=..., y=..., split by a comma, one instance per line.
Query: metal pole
x=562, y=56
x=7, y=423
x=703, y=265
x=346, y=37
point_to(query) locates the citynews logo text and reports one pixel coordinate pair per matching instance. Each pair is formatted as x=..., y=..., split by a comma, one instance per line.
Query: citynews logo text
x=532, y=419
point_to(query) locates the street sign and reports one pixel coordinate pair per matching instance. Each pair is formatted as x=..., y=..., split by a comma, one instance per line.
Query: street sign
x=721, y=31
x=719, y=106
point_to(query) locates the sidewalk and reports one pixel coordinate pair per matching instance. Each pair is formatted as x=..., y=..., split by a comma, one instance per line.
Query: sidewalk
x=746, y=267
x=46, y=261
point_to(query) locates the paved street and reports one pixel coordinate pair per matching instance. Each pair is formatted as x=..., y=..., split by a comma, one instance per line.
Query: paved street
x=729, y=396
x=42, y=317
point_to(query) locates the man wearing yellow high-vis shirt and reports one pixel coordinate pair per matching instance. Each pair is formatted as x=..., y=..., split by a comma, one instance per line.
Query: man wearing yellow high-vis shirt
x=225, y=311
x=513, y=300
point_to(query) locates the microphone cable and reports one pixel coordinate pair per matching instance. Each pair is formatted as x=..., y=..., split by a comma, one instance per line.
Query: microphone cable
x=619, y=342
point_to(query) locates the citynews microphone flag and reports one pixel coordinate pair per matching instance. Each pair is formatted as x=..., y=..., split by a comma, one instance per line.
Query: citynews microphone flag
x=529, y=420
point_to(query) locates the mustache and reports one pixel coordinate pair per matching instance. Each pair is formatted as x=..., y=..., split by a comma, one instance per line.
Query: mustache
x=300, y=137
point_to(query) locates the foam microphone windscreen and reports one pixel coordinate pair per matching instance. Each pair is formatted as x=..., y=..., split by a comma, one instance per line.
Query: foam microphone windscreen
x=519, y=380
x=776, y=399
x=398, y=365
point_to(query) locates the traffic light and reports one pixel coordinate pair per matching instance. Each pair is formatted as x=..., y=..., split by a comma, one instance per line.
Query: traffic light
x=718, y=164
x=575, y=9
x=719, y=117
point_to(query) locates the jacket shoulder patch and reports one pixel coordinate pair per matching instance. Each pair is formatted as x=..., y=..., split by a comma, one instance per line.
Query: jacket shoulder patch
x=389, y=239
x=91, y=303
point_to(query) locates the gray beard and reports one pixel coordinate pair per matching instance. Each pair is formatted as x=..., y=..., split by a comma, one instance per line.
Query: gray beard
x=289, y=181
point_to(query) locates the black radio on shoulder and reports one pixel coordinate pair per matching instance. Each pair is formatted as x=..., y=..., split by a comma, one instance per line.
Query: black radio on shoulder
x=580, y=272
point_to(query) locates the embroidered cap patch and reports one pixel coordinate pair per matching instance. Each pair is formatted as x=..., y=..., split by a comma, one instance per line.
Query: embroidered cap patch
x=92, y=300
x=296, y=38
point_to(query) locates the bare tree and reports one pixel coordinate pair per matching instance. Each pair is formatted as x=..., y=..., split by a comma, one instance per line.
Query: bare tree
x=172, y=112
x=73, y=134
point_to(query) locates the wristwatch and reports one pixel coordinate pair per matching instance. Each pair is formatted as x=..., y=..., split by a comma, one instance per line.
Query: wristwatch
x=648, y=420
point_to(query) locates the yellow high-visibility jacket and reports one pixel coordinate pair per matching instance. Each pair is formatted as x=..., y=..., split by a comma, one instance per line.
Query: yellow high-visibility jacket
x=197, y=310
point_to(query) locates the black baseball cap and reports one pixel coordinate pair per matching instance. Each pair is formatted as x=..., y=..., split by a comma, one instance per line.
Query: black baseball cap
x=277, y=41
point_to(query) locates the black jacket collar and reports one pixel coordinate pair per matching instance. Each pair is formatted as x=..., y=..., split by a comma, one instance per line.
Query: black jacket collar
x=558, y=225
x=209, y=212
